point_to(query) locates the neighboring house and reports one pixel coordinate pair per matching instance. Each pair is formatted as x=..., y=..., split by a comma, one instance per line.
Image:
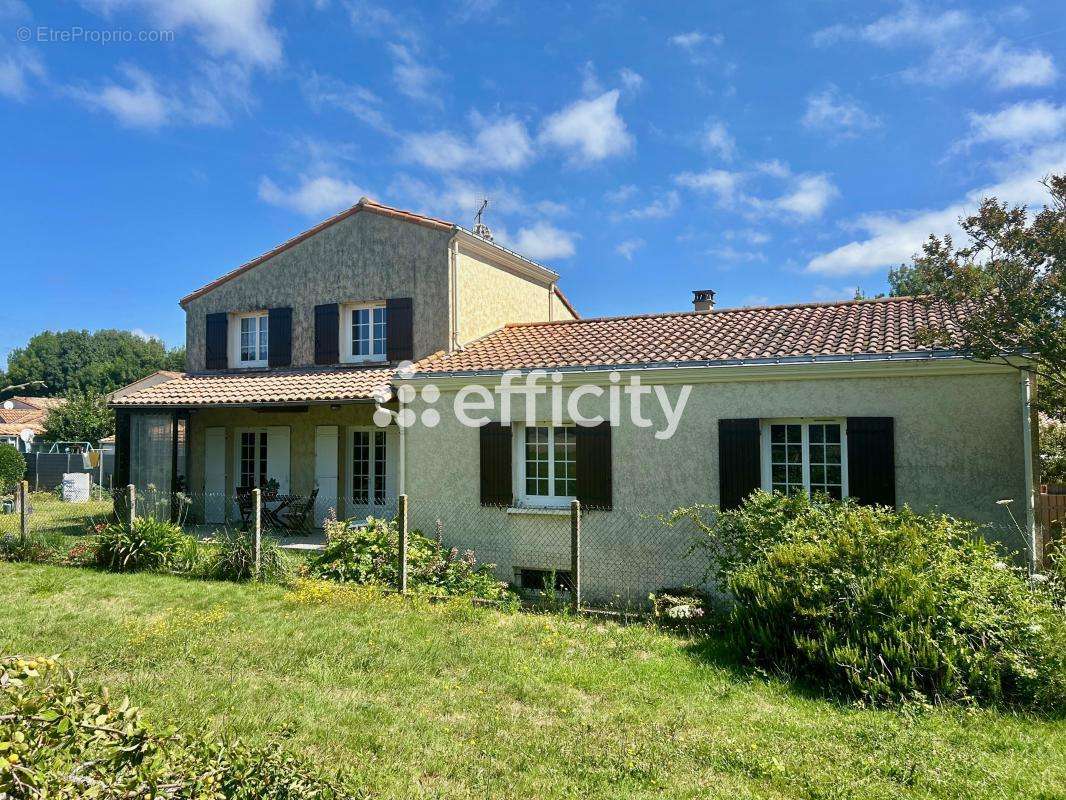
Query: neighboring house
x=286, y=352
x=26, y=413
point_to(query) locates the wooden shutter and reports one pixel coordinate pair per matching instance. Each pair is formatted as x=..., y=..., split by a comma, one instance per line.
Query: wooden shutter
x=279, y=337
x=215, y=341
x=327, y=334
x=496, y=485
x=399, y=329
x=872, y=460
x=739, y=471
x=594, y=467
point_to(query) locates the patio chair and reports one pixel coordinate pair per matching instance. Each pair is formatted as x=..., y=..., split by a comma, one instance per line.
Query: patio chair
x=244, y=505
x=298, y=514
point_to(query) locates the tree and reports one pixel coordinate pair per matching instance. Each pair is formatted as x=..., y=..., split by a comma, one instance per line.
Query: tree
x=97, y=362
x=12, y=468
x=85, y=417
x=1052, y=452
x=1011, y=278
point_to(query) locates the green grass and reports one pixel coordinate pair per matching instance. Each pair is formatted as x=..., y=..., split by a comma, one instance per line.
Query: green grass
x=52, y=516
x=454, y=701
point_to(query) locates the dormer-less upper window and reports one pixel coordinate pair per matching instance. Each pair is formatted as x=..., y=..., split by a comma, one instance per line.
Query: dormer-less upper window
x=364, y=332
x=254, y=338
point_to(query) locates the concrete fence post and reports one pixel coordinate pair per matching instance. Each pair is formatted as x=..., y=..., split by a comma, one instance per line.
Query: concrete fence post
x=257, y=532
x=402, y=522
x=24, y=511
x=575, y=555
x=131, y=503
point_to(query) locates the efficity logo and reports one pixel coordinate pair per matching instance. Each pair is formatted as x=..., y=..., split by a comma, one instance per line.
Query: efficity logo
x=514, y=399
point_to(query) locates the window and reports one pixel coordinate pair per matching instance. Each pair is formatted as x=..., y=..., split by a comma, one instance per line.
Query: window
x=548, y=465
x=252, y=340
x=366, y=326
x=252, y=459
x=805, y=456
x=369, y=468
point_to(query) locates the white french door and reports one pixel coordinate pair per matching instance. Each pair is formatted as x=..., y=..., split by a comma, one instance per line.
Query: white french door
x=371, y=489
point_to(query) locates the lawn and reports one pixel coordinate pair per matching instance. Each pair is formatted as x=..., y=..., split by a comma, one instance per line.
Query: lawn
x=50, y=515
x=454, y=701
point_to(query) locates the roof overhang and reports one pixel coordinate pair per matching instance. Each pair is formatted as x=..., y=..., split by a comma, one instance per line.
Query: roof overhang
x=498, y=254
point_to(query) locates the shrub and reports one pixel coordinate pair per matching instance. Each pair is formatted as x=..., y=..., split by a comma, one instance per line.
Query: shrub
x=884, y=605
x=12, y=468
x=34, y=548
x=152, y=544
x=61, y=738
x=368, y=553
x=233, y=558
x=1052, y=451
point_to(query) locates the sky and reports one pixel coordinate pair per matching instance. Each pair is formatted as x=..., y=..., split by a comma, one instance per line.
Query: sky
x=773, y=152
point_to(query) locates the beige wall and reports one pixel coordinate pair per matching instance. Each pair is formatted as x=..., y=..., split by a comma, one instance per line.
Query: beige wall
x=491, y=296
x=301, y=424
x=364, y=257
x=958, y=448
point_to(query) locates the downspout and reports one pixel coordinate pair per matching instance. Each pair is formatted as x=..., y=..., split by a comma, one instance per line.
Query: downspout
x=1027, y=453
x=403, y=452
x=551, y=302
x=453, y=269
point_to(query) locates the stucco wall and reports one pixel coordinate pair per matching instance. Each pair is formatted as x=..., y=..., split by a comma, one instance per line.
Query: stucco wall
x=490, y=297
x=301, y=426
x=958, y=448
x=364, y=257
x=559, y=309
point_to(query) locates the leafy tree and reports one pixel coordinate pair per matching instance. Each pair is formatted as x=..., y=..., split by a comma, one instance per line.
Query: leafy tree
x=12, y=468
x=85, y=417
x=1012, y=272
x=1052, y=452
x=97, y=362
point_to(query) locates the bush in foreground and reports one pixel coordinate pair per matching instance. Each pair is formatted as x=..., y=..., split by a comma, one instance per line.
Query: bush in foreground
x=149, y=544
x=885, y=606
x=12, y=468
x=232, y=558
x=62, y=739
x=369, y=554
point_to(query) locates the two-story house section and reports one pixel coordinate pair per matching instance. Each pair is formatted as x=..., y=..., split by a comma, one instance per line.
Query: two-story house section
x=286, y=351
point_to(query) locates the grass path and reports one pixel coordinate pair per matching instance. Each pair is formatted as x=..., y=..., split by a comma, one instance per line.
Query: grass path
x=451, y=701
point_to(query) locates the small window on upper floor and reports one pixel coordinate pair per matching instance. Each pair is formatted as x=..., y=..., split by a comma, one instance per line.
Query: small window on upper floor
x=251, y=346
x=363, y=331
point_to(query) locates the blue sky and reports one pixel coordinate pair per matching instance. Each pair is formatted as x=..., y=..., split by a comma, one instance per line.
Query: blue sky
x=774, y=152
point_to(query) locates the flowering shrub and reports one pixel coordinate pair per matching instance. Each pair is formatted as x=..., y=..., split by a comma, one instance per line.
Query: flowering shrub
x=885, y=605
x=62, y=739
x=368, y=553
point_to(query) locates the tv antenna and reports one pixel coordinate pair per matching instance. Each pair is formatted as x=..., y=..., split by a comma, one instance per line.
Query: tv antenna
x=480, y=228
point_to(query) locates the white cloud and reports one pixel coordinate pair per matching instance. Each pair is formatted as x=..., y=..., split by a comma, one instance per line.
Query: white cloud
x=733, y=255
x=590, y=130
x=621, y=194
x=360, y=102
x=631, y=81
x=313, y=196
x=590, y=80
x=830, y=112
x=541, y=242
x=807, y=199
x=959, y=47
x=892, y=238
x=1021, y=123
x=238, y=28
x=502, y=144
x=692, y=41
x=663, y=206
x=717, y=139
x=17, y=66
x=826, y=294
x=411, y=76
x=141, y=333
x=138, y=104
x=725, y=185
x=627, y=248
x=805, y=196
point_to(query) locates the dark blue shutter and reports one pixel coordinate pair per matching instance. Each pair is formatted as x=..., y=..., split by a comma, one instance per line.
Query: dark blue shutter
x=327, y=334
x=215, y=341
x=739, y=469
x=872, y=460
x=279, y=337
x=399, y=329
x=594, y=479
x=496, y=486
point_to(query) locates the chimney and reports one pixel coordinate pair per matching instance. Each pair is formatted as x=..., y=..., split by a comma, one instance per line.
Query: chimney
x=703, y=299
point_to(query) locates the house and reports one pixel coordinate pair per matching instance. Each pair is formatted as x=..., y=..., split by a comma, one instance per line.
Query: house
x=285, y=353
x=25, y=414
x=515, y=406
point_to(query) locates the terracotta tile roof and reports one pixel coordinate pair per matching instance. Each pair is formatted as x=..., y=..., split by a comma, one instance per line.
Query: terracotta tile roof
x=863, y=327
x=258, y=388
x=42, y=403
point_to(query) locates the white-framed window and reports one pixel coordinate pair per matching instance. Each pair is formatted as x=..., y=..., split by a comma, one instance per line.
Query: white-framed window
x=251, y=339
x=369, y=451
x=252, y=447
x=363, y=332
x=546, y=461
x=805, y=455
